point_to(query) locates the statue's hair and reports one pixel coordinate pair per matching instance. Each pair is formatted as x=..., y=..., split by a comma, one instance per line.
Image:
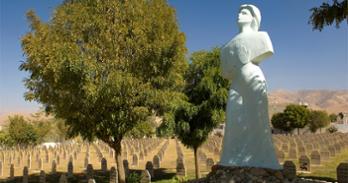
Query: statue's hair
x=255, y=12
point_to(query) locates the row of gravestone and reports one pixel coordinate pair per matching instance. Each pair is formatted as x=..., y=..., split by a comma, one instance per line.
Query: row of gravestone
x=288, y=148
x=320, y=147
x=89, y=175
x=289, y=170
x=180, y=160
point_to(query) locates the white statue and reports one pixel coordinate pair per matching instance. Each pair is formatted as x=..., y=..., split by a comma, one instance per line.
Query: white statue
x=248, y=140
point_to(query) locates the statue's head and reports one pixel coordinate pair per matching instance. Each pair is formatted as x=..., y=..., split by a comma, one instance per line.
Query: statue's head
x=249, y=15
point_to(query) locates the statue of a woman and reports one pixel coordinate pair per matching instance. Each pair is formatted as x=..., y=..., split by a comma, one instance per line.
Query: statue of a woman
x=248, y=140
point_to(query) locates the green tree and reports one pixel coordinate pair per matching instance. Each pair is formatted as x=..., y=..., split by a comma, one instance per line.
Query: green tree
x=279, y=121
x=21, y=132
x=327, y=14
x=333, y=117
x=297, y=116
x=104, y=66
x=206, y=92
x=317, y=120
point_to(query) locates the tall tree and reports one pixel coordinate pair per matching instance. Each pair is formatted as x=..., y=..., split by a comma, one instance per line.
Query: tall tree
x=104, y=66
x=297, y=116
x=317, y=120
x=279, y=121
x=206, y=92
x=21, y=132
x=326, y=14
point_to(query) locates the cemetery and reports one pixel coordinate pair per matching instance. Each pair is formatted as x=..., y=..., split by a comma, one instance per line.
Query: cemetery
x=121, y=97
x=151, y=157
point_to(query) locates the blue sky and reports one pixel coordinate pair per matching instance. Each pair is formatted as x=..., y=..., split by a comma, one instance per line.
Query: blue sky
x=303, y=59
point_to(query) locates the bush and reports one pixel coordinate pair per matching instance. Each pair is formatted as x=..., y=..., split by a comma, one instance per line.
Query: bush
x=332, y=129
x=133, y=178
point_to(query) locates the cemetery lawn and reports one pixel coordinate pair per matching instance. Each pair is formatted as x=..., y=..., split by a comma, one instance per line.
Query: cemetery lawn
x=328, y=169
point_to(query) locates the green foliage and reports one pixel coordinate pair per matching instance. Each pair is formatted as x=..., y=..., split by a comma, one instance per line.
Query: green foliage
x=318, y=119
x=327, y=14
x=145, y=129
x=279, y=121
x=296, y=115
x=293, y=116
x=104, y=66
x=206, y=91
x=333, y=117
x=332, y=129
x=104, y=63
x=133, y=178
x=21, y=132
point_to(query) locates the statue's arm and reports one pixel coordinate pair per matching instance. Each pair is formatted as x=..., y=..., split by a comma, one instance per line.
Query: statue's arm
x=226, y=69
x=265, y=48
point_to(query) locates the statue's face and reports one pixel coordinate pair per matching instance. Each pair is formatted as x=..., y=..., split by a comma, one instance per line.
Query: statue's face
x=245, y=16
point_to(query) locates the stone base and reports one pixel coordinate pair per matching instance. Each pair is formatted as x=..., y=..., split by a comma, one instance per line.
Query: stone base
x=224, y=174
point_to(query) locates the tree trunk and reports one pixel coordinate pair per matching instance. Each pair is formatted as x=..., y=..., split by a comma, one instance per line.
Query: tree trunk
x=196, y=163
x=119, y=163
x=298, y=131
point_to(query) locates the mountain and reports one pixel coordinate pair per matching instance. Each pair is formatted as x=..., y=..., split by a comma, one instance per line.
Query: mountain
x=332, y=101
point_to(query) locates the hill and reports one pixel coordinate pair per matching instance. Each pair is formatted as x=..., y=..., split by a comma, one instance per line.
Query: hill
x=333, y=101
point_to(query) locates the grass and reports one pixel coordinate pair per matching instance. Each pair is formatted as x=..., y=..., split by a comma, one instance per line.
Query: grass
x=327, y=170
x=167, y=174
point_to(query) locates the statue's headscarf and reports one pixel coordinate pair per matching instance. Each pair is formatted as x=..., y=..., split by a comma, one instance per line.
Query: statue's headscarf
x=255, y=12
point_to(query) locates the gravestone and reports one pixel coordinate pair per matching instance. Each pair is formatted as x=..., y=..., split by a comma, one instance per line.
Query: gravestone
x=141, y=155
x=54, y=167
x=91, y=181
x=280, y=155
x=315, y=158
x=58, y=159
x=149, y=167
x=63, y=179
x=325, y=155
x=145, y=177
x=302, y=151
x=11, y=171
x=332, y=151
x=156, y=162
x=70, y=169
x=304, y=163
x=289, y=170
x=292, y=153
x=47, y=158
x=113, y=175
x=29, y=162
x=209, y=163
x=42, y=178
x=342, y=173
x=1, y=169
x=180, y=167
x=25, y=175
x=285, y=147
x=86, y=162
x=126, y=167
x=40, y=164
x=135, y=161
x=104, y=165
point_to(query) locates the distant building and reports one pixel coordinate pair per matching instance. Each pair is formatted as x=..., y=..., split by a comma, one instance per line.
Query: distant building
x=305, y=104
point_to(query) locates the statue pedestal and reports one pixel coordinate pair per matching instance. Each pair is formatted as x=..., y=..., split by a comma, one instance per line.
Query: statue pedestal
x=224, y=174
